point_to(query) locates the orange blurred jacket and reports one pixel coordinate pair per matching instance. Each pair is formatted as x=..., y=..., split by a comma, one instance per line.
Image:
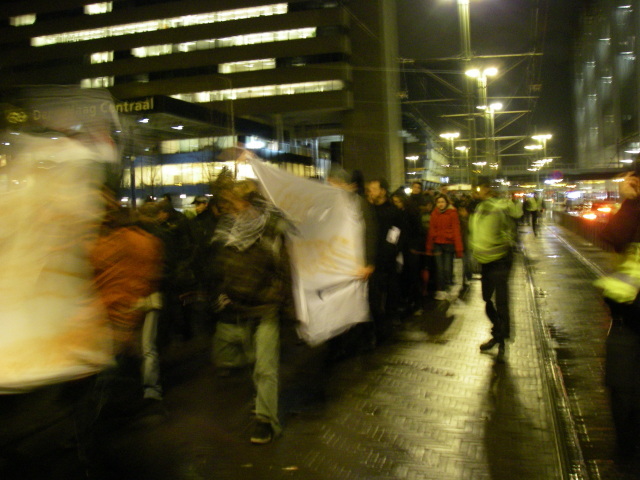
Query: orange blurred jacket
x=128, y=266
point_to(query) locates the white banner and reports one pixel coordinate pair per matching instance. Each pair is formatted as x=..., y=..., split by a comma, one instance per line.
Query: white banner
x=326, y=252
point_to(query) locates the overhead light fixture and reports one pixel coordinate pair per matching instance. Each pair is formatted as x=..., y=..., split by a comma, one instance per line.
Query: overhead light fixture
x=541, y=137
x=143, y=120
x=178, y=127
x=450, y=136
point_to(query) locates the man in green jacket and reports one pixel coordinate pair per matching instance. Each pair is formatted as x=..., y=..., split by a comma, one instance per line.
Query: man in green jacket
x=492, y=238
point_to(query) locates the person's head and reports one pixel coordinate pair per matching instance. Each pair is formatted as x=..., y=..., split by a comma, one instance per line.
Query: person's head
x=399, y=199
x=484, y=188
x=237, y=197
x=167, y=198
x=416, y=188
x=200, y=203
x=165, y=211
x=442, y=202
x=378, y=191
x=339, y=177
x=149, y=212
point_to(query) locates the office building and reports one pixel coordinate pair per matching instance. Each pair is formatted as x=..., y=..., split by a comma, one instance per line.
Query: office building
x=303, y=82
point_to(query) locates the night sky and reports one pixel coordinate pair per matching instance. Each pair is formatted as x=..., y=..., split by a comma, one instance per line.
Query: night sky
x=430, y=29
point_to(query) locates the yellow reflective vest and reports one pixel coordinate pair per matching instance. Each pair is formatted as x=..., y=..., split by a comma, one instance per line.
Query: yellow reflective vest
x=492, y=228
x=623, y=285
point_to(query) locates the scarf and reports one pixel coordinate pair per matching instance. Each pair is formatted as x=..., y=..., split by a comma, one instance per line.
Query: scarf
x=241, y=230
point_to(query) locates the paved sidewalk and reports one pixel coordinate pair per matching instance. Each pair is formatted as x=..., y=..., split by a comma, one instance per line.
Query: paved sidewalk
x=429, y=405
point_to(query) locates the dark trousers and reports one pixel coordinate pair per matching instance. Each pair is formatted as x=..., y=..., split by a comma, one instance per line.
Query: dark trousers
x=495, y=283
x=411, y=280
x=622, y=376
x=383, y=301
x=534, y=222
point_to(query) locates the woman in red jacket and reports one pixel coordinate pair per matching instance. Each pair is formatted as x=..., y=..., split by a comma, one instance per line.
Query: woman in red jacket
x=443, y=241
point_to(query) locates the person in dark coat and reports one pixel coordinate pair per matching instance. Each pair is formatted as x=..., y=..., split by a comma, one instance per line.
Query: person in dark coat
x=179, y=284
x=203, y=226
x=412, y=246
x=622, y=366
x=253, y=292
x=384, y=284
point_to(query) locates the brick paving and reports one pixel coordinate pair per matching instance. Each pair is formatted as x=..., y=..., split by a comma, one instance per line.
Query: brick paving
x=427, y=405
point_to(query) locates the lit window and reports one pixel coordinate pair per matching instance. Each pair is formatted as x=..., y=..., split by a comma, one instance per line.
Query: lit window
x=248, y=65
x=187, y=47
x=236, y=41
x=152, y=51
x=98, y=82
x=22, y=20
x=102, y=57
x=98, y=8
x=160, y=24
x=264, y=91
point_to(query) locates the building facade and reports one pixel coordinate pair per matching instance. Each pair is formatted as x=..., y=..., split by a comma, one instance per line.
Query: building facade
x=607, y=81
x=308, y=80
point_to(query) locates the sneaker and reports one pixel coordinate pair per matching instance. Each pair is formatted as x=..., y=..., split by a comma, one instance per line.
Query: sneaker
x=262, y=433
x=489, y=345
x=441, y=295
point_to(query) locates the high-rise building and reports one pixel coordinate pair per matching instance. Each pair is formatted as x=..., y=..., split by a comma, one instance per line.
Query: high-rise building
x=307, y=80
x=606, y=88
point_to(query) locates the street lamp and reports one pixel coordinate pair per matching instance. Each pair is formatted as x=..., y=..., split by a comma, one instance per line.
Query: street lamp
x=465, y=150
x=491, y=141
x=481, y=76
x=542, y=138
x=451, y=138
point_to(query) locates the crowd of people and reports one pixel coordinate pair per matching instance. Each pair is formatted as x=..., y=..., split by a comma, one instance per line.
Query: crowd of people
x=223, y=274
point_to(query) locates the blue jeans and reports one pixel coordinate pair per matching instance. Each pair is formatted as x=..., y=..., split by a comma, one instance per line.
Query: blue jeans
x=443, y=254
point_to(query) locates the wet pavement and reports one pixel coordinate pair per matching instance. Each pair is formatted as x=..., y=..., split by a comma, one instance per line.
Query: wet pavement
x=426, y=405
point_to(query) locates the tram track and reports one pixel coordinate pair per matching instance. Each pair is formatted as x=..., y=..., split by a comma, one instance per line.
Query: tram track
x=568, y=448
x=572, y=323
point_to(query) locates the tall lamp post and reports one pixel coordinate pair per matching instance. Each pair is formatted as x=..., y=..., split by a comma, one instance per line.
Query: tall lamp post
x=491, y=113
x=466, y=55
x=467, y=174
x=535, y=165
x=482, y=78
x=542, y=138
x=451, y=139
